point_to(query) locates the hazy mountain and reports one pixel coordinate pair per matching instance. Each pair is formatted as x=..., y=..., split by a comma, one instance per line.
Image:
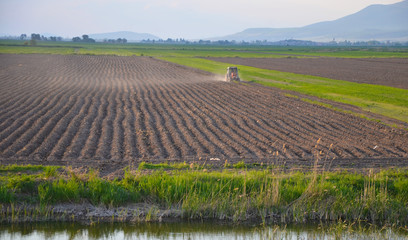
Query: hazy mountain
x=379, y=22
x=130, y=36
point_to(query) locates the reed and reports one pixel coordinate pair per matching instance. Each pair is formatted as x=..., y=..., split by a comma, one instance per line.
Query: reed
x=231, y=194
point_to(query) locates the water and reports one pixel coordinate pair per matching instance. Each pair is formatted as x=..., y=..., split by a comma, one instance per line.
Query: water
x=186, y=231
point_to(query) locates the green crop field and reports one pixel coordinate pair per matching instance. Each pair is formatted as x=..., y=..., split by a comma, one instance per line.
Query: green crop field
x=193, y=50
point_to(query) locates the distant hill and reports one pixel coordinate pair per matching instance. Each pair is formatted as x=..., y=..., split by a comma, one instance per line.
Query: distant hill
x=130, y=36
x=379, y=22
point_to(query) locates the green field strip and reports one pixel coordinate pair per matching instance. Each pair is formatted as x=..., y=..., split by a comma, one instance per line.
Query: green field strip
x=196, y=50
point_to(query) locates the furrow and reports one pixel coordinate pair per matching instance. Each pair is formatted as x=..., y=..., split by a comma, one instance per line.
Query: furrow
x=23, y=130
x=194, y=131
x=28, y=113
x=67, y=138
x=104, y=147
x=39, y=134
x=145, y=131
x=164, y=124
x=193, y=102
x=118, y=143
x=174, y=123
x=79, y=141
x=94, y=133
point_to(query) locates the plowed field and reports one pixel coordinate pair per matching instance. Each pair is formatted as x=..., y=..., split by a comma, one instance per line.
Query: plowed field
x=391, y=72
x=90, y=110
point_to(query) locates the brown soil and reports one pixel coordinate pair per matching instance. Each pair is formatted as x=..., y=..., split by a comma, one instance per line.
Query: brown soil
x=108, y=112
x=391, y=72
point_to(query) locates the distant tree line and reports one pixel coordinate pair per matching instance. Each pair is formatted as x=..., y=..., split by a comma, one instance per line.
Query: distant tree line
x=119, y=40
x=288, y=42
x=37, y=37
x=85, y=38
x=168, y=40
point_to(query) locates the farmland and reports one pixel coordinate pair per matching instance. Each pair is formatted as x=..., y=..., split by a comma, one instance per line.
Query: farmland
x=107, y=110
x=157, y=126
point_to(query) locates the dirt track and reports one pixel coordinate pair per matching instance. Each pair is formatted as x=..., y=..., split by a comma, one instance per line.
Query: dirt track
x=391, y=72
x=106, y=111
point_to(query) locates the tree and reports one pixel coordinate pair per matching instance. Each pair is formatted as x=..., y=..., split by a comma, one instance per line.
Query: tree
x=76, y=39
x=23, y=36
x=35, y=36
x=85, y=38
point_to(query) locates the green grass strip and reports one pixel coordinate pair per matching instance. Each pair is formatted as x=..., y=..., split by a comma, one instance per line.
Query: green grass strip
x=387, y=101
x=164, y=166
x=195, y=50
x=234, y=194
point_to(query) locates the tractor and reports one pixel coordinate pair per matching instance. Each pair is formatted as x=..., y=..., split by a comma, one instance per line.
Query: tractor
x=232, y=74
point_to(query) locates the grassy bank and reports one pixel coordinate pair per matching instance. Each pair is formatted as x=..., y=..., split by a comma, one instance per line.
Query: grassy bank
x=233, y=193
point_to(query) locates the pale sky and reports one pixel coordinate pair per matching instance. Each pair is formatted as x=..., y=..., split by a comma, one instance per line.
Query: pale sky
x=190, y=19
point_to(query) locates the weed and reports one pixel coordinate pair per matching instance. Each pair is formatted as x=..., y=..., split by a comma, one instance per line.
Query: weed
x=172, y=166
x=6, y=196
x=234, y=194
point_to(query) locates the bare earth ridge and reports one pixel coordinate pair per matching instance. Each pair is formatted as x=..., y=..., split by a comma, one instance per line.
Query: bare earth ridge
x=108, y=112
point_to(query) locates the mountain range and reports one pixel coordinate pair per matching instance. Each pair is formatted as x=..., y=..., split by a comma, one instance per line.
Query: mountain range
x=379, y=22
x=375, y=22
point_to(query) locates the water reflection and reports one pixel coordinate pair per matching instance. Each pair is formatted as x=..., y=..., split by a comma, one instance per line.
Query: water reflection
x=186, y=231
